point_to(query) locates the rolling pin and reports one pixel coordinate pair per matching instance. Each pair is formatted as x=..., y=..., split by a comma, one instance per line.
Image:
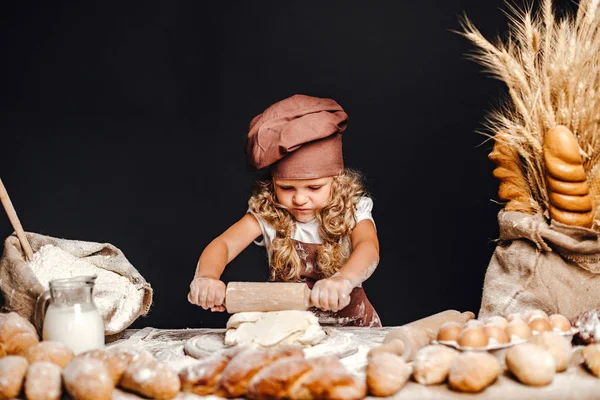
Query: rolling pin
x=266, y=296
x=408, y=339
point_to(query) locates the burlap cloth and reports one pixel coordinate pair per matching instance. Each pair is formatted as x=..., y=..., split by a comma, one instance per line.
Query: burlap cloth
x=553, y=267
x=20, y=289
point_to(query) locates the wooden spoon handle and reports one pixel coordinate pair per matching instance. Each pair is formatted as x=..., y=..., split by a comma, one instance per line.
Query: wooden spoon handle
x=14, y=220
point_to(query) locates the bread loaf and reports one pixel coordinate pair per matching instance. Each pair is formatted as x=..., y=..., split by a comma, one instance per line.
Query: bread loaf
x=272, y=374
x=513, y=185
x=202, y=378
x=531, y=364
x=239, y=371
x=432, y=364
x=276, y=380
x=86, y=379
x=387, y=373
x=43, y=381
x=570, y=202
x=51, y=351
x=12, y=374
x=473, y=372
x=557, y=345
x=16, y=334
x=591, y=358
x=154, y=380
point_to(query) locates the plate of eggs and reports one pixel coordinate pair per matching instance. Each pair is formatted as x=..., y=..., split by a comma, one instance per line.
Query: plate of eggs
x=498, y=332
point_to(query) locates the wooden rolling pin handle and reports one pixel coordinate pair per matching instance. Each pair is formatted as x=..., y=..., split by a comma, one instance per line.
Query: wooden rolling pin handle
x=14, y=220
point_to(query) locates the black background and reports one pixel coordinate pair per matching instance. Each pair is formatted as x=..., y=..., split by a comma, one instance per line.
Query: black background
x=125, y=123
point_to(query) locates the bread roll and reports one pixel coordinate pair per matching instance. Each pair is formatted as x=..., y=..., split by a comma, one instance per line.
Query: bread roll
x=155, y=381
x=237, y=374
x=564, y=164
x=473, y=371
x=86, y=379
x=54, y=352
x=557, y=345
x=12, y=374
x=275, y=380
x=531, y=364
x=16, y=334
x=43, y=381
x=114, y=363
x=202, y=378
x=591, y=358
x=432, y=364
x=387, y=373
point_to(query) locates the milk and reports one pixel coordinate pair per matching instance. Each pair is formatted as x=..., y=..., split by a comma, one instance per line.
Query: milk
x=79, y=326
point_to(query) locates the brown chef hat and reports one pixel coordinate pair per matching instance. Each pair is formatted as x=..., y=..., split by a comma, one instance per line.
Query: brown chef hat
x=299, y=137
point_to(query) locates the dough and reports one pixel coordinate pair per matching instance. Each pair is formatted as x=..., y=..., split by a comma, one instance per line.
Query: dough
x=272, y=329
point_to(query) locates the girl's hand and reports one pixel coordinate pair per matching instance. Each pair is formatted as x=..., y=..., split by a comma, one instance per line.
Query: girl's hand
x=331, y=294
x=207, y=293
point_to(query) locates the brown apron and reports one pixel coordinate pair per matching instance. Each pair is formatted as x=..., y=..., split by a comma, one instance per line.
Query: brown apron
x=359, y=312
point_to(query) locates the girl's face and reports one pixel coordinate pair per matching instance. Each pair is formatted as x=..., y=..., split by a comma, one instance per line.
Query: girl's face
x=302, y=197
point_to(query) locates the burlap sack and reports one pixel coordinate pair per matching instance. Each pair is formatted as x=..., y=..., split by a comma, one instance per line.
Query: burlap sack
x=553, y=267
x=20, y=289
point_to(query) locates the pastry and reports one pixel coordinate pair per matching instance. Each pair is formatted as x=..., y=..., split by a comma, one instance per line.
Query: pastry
x=43, y=381
x=16, y=334
x=51, y=351
x=12, y=374
x=432, y=364
x=154, y=380
x=557, y=345
x=386, y=373
x=86, y=379
x=531, y=364
x=473, y=371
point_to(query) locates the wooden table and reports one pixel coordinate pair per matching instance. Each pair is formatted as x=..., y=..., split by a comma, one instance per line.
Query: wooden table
x=575, y=383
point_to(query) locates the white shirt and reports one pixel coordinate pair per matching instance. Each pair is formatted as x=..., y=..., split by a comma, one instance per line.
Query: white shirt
x=308, y=232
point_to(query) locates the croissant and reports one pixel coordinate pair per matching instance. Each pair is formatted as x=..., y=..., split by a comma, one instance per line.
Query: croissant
x=272, y=374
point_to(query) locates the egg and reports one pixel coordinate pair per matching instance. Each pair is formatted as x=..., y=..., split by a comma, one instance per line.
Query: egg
x=519, y=329
x=513, y=316
x=449, y=332
x=498, y=321
x=559, y=323
x=540, y=325
x=473, y=337
x=535, y=314
x=474, y=323
x=496, y=332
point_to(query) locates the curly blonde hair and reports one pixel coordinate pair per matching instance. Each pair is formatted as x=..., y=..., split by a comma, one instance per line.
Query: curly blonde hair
x=336, y=220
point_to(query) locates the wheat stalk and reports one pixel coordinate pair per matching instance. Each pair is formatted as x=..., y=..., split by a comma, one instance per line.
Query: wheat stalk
x=551, y=68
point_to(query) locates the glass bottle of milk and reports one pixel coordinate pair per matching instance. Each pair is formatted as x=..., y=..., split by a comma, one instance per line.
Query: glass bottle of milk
x=72, y=316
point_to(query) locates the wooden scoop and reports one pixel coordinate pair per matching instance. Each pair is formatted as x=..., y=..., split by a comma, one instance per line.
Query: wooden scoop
x=14, y=220
x=266, y=296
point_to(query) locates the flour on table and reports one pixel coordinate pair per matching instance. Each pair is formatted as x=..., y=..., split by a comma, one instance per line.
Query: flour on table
x=116, y=297
x=275, y=328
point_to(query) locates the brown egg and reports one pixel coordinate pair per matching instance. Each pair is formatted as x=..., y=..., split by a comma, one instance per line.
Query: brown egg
x=535, y=314
x=498, y=321
x=512, y=317
x=496, y=332
x=449, y=332
x=474, y=337
x=519, y=329
x=540, y=325
x=559, y=323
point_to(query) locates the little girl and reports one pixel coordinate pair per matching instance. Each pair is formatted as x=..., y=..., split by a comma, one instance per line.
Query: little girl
x=314, y=221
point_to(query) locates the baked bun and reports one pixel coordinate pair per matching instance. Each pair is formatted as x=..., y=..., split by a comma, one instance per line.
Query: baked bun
x=55, y=352
x=387, y=373
x=432, y=364
x=12, y=374
x=473, y=371
x=202, y=378
x=115, y=364
x=155, y=381
x=86, y=379
x=531, y=364
x=43, y=381
x=16, y=334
